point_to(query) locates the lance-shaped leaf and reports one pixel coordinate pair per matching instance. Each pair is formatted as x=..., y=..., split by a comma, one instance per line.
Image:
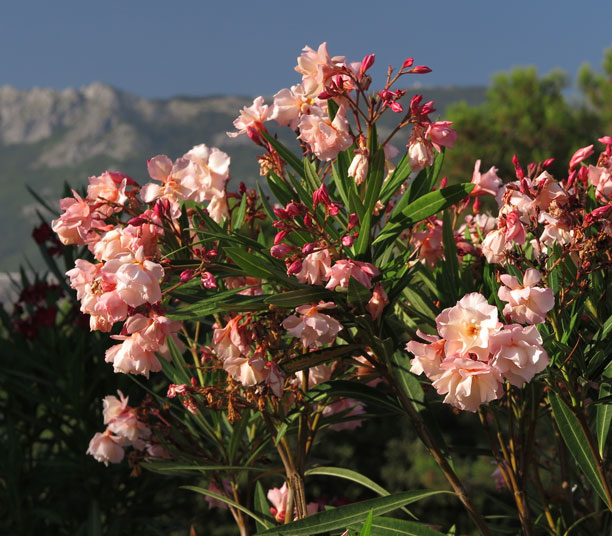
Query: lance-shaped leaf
x=421, y=209
x=319, y=357
x=285, y=154
x=388, y=526
x=260, y=520
x=344, y=516
x=238, y=216
x=604, y=412
x=302, y=296
x=578, y=444
x=348, y=474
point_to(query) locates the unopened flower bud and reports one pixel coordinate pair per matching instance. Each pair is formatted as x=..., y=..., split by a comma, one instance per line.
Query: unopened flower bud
x=321, y=196
x=281, y=213
x=353, y=221
x=347, y=241
x=308, y=248
x=420, y=69
x=428, y=108
x=307, y=221
x=293, y=209
x=366, y=63
x=281, y=250
x=408, y=62
x=186, y=275
x=443, y=182
x=548, y=162
x=295, y=267
x=137, y=221
x=580, y=155
x=279, y=237
x=596, y=214
x=334, y=208
x=517, y=167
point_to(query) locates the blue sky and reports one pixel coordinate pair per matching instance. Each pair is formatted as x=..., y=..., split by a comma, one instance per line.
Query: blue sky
x=160, y=48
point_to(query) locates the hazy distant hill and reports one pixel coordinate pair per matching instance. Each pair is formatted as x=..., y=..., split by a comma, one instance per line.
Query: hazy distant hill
x=49, y=137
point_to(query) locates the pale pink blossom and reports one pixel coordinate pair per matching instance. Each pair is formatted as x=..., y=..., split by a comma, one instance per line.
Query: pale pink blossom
x=518, y=353
x=486, y=183
x=378, y=301
x=316, y=67
x=134, y=355
x=468, y=383
x=514, y=231
x=251, y=118
x=420, y=154
x=556, y=231
x=208, y=173
x=72, y=226
x=441, y=134
x=526, y=303
x=247, y=371
x=326, y=138
x=290, y=104
x=340, y=273
x=312, y=327
x=137, y=278
x=172, y=187
x=315, y=267
x=549, y=190
x=112, y=406
x=430, y=242
x=108, y=190
x=602, y=180
x=232, y=340
x=525, y=206
x=317, y=374
x=494, y=246
x=105, y=447
x=278, y=498
x=359, y=166
x=468, y=325
x=427, y=357
x=218, y=209
x=479, y=225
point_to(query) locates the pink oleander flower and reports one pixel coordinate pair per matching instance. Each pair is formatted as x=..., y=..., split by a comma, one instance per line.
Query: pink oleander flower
x=316, y=375
x=526, y=303
x=467, y=326
x=137, y=278
x=278, y=498
x=378, y=301
x=247, y=371
x=315, y=268
x=172, y=188
x=105, y=447
x=217, y=209
x=290, y=104
x=556, y=231
x=72, y=226
x=353, y=409
x=549, y=190
x=420, y=154
x=207, y=174
x=326, y=138
x=494, y=246
x=479, y=225
x=251, y=119
x=514, y=232
x=317, y=67
x=359, y=166
x=486, y=183
x=113, y=407
x=312, y=327
x=430, y=242
x=441, y=134
x=109, y=191
x=427, y=357
x=580, y=155
x=468, y=383
x=518, y=354
x=602, y=180
x=232, y=340
x=227, y=492
x=134, y=355
x=340, y=273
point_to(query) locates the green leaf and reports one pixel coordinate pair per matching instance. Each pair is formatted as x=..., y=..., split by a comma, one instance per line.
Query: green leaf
x=374, y=181
x=238, y=218
x=366, y=528
x=258, y=265
x=577, y=443
x=358, y=294
x=280, y=189
x=450, y=272
x=176, y=468
x=348, y=474
x=357, y=391
x=318, y=357
x=388, y=526
x=261, y=506
x=313, y=181
x=224, y=499
x=295, y=298
x=340, y=518
x=421, y=209
x=285, y=154
x=604, y=413
x=399, y=175
x=340, y=186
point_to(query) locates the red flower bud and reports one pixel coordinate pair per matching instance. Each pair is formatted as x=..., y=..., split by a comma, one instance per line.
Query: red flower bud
x=281, y=250
x=321, y=196
x=548, y=162
x=208, y=280
x=420, y=69
x=186, y=275
x=366, y=63
x=308, y=248
x=307, y=221
x=353, y=221
x=408, y=62
x=279, y=237
x=295, y=267
x=347, y=241
x=281, y=213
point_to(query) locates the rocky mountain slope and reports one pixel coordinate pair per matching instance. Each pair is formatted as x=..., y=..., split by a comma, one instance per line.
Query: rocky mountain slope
x=50, y=137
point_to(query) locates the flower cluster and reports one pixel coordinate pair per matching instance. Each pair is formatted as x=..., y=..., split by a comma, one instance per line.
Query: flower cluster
x=474, y=352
